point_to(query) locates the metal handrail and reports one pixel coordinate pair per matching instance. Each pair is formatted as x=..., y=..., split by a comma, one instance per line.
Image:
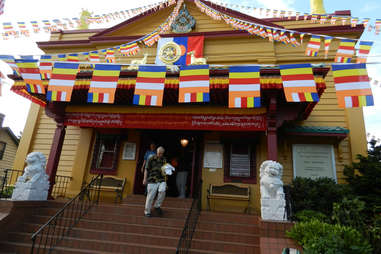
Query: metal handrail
x=185, y=240
x=53, y=231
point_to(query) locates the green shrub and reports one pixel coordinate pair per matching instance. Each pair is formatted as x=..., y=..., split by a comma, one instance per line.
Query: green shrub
x=315, y=194
x=7, y=192
x=364, y=178
x=318, y=237
x=307, y=215
x=349, y=212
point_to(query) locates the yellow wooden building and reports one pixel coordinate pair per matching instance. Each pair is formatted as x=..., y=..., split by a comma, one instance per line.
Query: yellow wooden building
x=8, y=146
x=112, y=138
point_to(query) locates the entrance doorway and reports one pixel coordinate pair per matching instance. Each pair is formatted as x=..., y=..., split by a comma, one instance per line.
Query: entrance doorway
x=181, y=146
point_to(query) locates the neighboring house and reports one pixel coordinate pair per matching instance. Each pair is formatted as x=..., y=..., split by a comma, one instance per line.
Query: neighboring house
x=225, y=145
x=8, y=146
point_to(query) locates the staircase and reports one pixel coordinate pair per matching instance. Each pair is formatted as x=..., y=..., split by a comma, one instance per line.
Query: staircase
x=111, y=228
x=221, y=233
x=122, y=228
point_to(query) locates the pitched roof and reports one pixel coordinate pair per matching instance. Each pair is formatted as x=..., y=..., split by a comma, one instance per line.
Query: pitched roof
x=10, y=134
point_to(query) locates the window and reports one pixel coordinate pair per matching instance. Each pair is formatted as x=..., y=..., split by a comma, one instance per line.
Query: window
x=239, y=163
x=106, y=151
x=2, y=149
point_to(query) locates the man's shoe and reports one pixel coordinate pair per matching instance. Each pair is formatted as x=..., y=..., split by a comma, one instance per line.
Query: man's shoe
x=147, y=215
x=159, y=211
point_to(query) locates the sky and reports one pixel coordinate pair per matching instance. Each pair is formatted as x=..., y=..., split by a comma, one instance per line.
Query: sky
x=16, y=107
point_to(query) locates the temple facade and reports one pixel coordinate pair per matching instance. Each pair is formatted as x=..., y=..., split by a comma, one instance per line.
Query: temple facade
x=216, y=143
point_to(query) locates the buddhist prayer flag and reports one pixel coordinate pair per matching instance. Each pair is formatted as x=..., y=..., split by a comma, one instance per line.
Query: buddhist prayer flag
x=313, y=46
x=187, y=44
x=10, y=60
x=31, y=74
x=352, y=85
x=378, y=26
x=365, y=22
x=194, y=83
x=62, y=81
x=36, y=29
x=62, y=57
x=354, y=21
x=244, y=87
x=103, y=83
x=299, y=83
x=73, y=58
x=110, y=57
x=149, y=88
x=327, y=43
x=363, y=52
x=345, y=51
x=46, y=66
x=94, y=57
x=129, y=49
x=151, y=39
x=7, y=26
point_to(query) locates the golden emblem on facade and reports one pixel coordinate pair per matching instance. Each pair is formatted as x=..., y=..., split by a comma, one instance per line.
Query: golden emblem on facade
x=170, y=52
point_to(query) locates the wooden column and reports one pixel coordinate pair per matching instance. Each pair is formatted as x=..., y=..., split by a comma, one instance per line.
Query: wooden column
x=56, y=112
x=271, y=132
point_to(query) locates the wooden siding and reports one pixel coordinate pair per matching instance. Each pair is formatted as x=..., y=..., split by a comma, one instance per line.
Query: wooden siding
x=10, y=150
x=43, y=139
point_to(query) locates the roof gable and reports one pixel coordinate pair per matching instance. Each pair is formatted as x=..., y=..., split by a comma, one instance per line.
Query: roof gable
x=148, y=21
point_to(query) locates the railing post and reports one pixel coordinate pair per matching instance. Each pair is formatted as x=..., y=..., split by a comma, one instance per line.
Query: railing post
x=4, y=183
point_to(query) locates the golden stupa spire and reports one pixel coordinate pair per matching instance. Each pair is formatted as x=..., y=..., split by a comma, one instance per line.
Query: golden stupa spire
x=317, y=7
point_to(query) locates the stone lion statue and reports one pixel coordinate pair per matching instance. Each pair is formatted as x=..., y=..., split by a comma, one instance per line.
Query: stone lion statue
x=271, y=183
x=34, y=183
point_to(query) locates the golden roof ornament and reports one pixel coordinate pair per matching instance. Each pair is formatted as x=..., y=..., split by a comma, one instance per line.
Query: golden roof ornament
x=317, y=7
x=184, y=22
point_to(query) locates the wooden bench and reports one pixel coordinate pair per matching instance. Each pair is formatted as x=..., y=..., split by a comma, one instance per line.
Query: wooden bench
x=111, y=183
x=229, y=192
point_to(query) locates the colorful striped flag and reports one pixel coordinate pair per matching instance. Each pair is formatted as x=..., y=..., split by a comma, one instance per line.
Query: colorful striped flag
x=151, y=39
x=352, y=85
x=333, y=20
x=327, y=43
x=72, y=58
x=10, y=60
x=363, y=52
x=110, y=57
x=62, y=81
x=46, y=66
x=244, y=87
x=31, y=74
x=365, y=22
x=129, y=49
x=35, y=26
x=7, y=26
x=194, y=83
x=94, y=57
x=377, y=26
x=103, y=83
x=345, y=51
x=354, y=21
x=298, y=83
x=149, y=88
x=62, y=57
x=313, y=46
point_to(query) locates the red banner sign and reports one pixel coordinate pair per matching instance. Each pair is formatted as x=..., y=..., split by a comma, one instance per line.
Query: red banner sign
x=168, y=121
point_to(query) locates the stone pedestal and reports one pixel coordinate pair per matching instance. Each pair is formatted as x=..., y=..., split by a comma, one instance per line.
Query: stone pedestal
x=273, y=209
x=28, y=192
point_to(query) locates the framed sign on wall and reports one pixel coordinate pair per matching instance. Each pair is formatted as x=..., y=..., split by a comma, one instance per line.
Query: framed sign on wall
x=314, y=160
x=129, y=151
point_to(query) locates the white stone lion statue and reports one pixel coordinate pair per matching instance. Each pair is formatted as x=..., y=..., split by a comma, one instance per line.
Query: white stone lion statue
x=272, y=195
x=271, y=180
x=34, y=183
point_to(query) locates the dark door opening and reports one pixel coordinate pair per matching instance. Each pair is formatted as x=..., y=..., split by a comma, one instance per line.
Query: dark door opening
x=187, y=154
